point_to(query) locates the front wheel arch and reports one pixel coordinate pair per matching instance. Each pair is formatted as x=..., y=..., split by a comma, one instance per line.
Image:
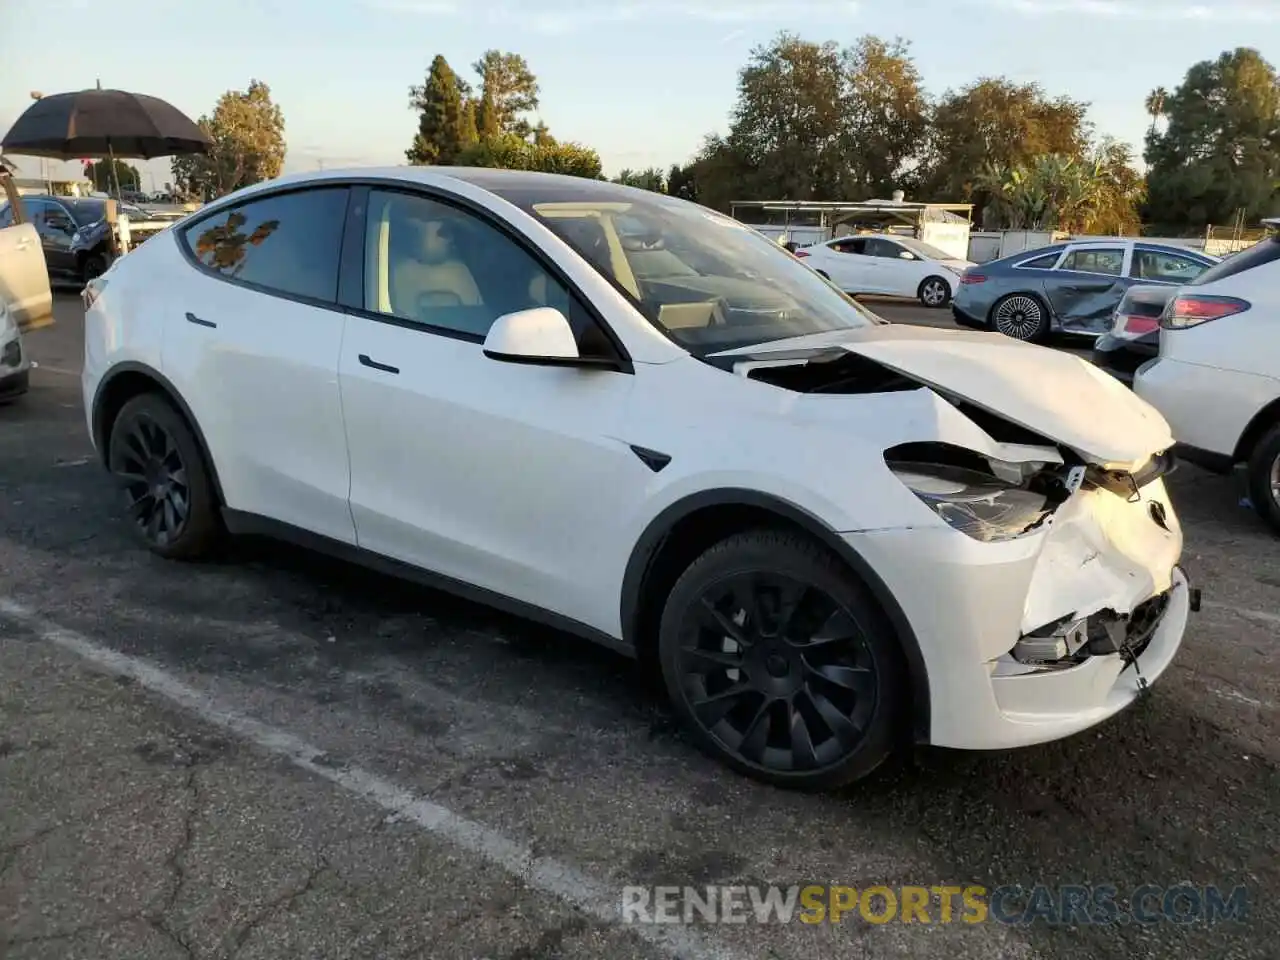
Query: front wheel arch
x=690, y=525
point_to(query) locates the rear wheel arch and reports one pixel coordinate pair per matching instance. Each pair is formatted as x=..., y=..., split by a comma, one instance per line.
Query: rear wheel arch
x=684, y=530
x=128, y=380
x=1262, y=421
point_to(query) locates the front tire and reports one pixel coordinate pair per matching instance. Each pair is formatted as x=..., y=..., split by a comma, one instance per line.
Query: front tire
x=781, y=665
x=1264, y=477
x=92, y=267
x=934, y=292
x=1021, y=316
x=155, y=459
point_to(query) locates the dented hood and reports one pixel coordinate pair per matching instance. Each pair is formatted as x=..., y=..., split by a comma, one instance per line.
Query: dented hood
x=1055, y=394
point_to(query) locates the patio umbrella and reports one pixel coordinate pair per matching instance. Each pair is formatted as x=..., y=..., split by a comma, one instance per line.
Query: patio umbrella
x=104, y=123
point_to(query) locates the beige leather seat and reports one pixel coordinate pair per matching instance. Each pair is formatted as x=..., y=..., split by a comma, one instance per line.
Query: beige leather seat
x=415, y=285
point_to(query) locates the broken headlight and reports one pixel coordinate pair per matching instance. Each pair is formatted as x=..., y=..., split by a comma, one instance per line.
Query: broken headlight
x=982, y=504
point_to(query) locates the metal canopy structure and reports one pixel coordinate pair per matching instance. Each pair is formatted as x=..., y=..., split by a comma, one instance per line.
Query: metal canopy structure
x=882, y=211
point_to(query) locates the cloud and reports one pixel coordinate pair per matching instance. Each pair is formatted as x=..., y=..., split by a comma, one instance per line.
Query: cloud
x=568, y=16
x=1223, y=11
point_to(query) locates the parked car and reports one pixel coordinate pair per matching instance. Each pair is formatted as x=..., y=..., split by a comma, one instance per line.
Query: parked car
x=73, y=232
x=887, y=265
x=1134, y=337
x=727, y=468
x=1067, y=287
x=26, y=301
x=1217, y=378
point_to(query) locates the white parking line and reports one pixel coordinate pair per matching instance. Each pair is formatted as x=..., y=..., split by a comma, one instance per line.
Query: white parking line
x=588, y=894
x=59, y=370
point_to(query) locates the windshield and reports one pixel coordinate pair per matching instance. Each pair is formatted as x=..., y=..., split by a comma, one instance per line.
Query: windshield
x=926, y=250
x=707, y=281
x=87, y=211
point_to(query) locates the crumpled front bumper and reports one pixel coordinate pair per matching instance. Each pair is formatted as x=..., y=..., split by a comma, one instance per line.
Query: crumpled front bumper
x=970, y=602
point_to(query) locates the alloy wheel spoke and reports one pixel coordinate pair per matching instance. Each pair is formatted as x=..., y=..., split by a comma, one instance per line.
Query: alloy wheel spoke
x=712, y=616
x=712, y=659
x=839, y=627
x=803, y=754
x=857, y=679
x=712, y=708
x=755, y=737
x=842, y=728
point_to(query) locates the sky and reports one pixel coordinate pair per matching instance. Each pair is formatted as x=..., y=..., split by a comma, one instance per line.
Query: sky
x=642, y=81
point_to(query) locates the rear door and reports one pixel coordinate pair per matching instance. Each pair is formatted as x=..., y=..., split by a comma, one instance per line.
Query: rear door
x=849, y=265
x=1087, y=286
x=253, y=342
x=24, y=276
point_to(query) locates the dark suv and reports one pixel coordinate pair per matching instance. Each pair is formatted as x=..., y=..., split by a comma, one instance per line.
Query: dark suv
x=73, y=232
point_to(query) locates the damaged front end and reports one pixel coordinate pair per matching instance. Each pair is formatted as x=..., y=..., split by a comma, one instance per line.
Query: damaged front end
x=1050, y=593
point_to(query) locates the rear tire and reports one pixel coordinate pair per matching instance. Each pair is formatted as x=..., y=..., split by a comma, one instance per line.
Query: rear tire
x=153, y=455
x=1264, y=477
x=934, y=292
x=1021, y=316
x=780, y=664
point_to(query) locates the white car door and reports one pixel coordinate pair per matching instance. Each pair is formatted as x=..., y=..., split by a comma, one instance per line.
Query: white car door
x=846, y=262
x=504, y=476
x=897, y=275
x=24, y=276
x=253, y=349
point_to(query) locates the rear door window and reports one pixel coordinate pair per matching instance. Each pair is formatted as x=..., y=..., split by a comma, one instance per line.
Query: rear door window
x=1108, y=261
x=284, y=243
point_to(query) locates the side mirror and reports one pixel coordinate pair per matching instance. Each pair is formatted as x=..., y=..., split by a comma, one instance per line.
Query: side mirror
x=906, y=255
x=539, y=336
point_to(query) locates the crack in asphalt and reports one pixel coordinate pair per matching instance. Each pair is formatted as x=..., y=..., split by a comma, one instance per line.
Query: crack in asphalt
x=279, y=904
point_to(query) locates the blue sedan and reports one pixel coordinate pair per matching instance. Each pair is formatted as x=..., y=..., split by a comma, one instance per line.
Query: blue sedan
x=1071, y=287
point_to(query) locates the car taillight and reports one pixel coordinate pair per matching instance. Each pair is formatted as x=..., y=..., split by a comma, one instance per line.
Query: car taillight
x=1136, y=326
x=1190, y=310
x=801, y=254
x=973, y=278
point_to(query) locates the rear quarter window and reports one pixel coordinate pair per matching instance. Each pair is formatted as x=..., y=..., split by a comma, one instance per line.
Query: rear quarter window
x=1263, y=252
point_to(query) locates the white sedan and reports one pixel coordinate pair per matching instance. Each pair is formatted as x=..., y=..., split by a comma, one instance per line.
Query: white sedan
x=633, y=418
x=1217, y=378
x=888, y=265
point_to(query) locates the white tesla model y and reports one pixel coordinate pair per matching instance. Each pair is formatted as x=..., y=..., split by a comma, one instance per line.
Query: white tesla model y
x=634, y=418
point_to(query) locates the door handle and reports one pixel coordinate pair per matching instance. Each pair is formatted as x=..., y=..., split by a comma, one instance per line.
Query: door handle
x=192, y=318
x=366, y=361
x=23, y=243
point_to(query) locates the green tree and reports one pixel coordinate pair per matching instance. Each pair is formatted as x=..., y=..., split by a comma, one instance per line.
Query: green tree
x=680, y=182
x=1220, y=150
x=508, y=89
x=994, y=121
x=651, y=179
x=819, y=122
x=442, y=127
x=788, y=122
x=1154, y=103
x=512, y=152
x=886, y=117
x=1096, y=194
x=247, y=133
x=99, y=173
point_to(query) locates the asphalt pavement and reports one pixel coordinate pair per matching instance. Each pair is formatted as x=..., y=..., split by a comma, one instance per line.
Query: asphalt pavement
x=277, y=755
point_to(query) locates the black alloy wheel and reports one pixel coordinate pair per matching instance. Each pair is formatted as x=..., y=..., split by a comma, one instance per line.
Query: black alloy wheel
x=779, y=663
x=154, y=458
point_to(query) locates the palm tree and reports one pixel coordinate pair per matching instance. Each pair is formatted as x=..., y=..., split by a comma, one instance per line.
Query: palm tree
x=1155, y=102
